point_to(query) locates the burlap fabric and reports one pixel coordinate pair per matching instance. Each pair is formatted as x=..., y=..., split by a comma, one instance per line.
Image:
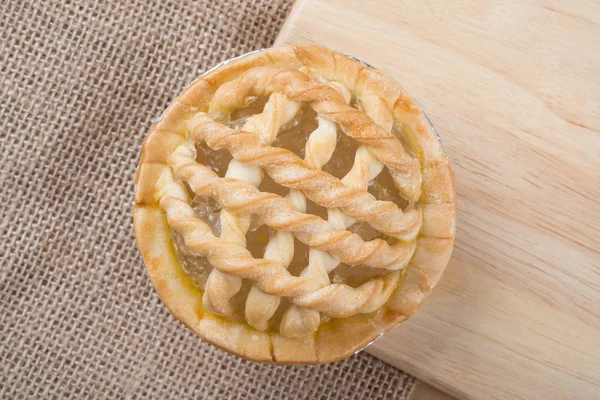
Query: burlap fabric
x=81, y=82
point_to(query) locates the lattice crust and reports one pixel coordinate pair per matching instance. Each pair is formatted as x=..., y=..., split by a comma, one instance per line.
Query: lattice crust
x=324, y=320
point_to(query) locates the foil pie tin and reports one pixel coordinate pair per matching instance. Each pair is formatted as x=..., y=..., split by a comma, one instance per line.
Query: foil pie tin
x=222, y=63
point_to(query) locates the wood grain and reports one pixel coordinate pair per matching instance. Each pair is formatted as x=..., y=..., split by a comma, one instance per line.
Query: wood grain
x=513, y=88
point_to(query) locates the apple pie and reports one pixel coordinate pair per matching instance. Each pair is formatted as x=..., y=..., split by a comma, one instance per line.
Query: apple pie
x=293, y=205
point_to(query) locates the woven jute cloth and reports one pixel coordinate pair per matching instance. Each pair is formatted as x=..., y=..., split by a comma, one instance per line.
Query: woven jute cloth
x=81, y=84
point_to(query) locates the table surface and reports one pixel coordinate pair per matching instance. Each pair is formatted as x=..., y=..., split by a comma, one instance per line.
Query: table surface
x=513, y=88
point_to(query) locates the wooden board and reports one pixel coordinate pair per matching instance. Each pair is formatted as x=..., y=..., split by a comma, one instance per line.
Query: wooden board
x=513, y=88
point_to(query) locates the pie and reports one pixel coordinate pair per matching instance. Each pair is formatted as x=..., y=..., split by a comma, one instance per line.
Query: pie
x=293, y=205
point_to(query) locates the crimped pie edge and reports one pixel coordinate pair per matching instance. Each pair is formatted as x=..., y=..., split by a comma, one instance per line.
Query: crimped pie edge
x=334, y=340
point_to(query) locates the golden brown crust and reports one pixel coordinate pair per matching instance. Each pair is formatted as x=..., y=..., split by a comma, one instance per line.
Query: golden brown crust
x=432, y=256
x=289, y=170
x=329, y=103
x=411, y=293
x=438, y=184
x=277, y=212
x=294, y=350
x=232, y=259
x=171, y=283
x=338, y=338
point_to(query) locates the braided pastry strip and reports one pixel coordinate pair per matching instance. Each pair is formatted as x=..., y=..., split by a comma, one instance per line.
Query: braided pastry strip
x=282, y=243
x=329, y=103
x=319, y=148
x=260, y=306
x=366, y=166
x=297, y=321
x=278, y=213
x=335, y=300
x=289, y=170
x=364, y=161
x=221, y=288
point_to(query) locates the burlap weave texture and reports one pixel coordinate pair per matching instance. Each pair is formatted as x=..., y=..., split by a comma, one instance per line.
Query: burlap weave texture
x=81, y=82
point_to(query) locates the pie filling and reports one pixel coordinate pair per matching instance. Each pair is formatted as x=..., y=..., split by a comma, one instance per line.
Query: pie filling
x=293, y=137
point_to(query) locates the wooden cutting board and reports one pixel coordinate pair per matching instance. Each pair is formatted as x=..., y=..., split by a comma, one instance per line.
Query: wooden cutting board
x=513, y=88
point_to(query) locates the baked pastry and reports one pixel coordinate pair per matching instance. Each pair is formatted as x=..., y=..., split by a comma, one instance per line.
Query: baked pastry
x=293, y=205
